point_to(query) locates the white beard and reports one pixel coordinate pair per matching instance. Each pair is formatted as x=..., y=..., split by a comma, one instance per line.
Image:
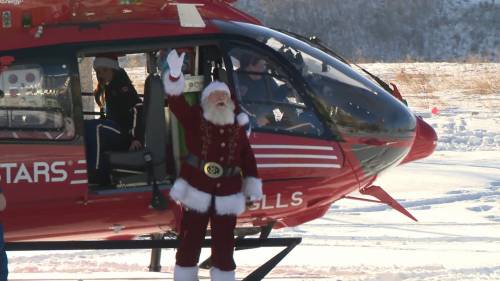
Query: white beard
x=218, y=115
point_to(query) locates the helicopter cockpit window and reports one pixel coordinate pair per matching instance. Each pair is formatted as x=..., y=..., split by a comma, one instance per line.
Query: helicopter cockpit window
x=266, y=93
x=346, y=100
x=36, y=102
x=350, y=103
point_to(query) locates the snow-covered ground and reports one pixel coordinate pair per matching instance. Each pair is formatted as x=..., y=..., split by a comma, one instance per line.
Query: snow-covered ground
x=455, y=195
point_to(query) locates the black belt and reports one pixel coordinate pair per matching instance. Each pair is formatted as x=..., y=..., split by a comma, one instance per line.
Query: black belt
x=212, y=169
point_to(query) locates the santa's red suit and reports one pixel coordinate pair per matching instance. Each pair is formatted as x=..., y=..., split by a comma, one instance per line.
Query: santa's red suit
x=216, y=179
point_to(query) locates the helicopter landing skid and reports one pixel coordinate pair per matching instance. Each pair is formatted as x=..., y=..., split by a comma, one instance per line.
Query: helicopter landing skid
x=240, y=243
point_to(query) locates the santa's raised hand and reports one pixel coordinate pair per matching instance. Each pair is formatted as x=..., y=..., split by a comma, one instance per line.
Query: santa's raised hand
x=173, y=82
x=175, y=63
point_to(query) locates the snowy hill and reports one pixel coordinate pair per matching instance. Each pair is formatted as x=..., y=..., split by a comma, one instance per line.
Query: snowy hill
x=391, y=30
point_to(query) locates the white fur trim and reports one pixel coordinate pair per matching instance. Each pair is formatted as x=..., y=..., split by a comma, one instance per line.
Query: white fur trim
x=221, y=275
x=106, y=62
x=215, y=86
x=173, y=88
x=252, y=188
x=230, y=205
x=190, y=196
x=242, y=119
x=179, y=190
x=182, y=273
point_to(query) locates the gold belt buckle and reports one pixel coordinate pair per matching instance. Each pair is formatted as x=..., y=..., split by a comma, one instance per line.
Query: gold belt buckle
x=213, y=170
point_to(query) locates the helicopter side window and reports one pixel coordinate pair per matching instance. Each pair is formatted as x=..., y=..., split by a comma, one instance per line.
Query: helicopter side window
x=35, y=102
x=268, y=96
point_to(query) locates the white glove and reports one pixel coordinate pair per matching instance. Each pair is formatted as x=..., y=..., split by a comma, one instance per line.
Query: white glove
x=175, y=63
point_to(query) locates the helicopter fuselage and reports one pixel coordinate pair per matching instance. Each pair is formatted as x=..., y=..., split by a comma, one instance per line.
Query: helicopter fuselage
x=332, y=131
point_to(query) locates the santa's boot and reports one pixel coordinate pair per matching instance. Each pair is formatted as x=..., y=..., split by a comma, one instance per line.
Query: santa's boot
x=182, y=273
x=221, y=275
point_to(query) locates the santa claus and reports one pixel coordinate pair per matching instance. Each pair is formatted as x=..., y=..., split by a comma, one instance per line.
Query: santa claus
x=217, y=178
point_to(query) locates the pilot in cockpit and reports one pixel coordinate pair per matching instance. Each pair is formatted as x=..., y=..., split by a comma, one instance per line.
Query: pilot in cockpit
x=256, y=86
x=253, y=85
x=268, y=96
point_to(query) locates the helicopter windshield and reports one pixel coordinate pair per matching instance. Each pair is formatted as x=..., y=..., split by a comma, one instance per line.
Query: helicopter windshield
x=35, y=102
x=349, y=102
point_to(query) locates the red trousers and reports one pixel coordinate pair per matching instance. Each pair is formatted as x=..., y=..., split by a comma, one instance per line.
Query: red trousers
x=193, y=229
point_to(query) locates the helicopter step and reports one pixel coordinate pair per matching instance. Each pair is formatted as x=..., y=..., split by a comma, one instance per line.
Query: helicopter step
x=257, y=274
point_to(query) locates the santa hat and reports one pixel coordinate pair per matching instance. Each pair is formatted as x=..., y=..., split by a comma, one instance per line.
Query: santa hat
x=108, y=61
x=215, y=86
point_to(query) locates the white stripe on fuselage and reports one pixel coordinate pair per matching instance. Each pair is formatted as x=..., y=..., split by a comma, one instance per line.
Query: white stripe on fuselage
x=305, y=156
x=298, y=165
x=280, y=146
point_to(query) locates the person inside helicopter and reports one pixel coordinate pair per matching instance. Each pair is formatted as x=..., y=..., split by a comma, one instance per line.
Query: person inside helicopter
x=115, y=131
x=256, y=87
x=266, y=94
x=252, y=80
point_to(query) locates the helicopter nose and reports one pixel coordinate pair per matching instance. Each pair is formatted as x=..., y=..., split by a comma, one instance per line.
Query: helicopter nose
x=425, y=142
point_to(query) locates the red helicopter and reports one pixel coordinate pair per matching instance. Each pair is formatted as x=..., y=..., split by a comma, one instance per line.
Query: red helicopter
x=332, y=130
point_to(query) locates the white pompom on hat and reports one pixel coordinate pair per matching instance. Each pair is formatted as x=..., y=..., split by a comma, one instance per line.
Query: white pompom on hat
x=107, y=61
x=215, y=86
